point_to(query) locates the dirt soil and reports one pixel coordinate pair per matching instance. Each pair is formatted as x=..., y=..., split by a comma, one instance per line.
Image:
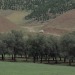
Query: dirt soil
x=6, y=25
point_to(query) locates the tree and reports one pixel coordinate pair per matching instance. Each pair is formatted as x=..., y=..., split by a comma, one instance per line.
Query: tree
x=51, y=47
x=25, y=47
x=14, y=42
x=68, y=45
x=3, y=47
x=37, y=46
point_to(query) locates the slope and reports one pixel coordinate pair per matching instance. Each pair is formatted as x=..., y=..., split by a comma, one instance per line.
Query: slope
x=64, y=22
x=6, y=25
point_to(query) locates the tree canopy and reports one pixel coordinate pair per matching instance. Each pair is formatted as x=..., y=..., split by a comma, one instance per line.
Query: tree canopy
x=41, y=10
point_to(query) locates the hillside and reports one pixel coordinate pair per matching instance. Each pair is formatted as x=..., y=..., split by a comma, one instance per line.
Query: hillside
x=13, y=18
x=6, y=25
x=17, y=17
x=64, y=22
x=60, y=25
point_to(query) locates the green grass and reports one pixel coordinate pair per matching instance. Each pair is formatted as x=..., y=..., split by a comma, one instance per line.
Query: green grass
x=13, y=68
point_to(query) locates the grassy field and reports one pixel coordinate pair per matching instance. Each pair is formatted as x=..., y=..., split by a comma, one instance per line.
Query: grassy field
x=17, y=17
x=10, y=68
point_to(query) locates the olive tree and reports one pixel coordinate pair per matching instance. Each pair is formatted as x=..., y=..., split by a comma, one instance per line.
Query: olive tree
x=14, y=42
x=37, y=46
x=51, y=47
x=68, y=46
x=3, y=45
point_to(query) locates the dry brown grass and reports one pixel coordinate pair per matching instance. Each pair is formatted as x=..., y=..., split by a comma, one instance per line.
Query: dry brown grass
x=62, y=24
x=6, y=25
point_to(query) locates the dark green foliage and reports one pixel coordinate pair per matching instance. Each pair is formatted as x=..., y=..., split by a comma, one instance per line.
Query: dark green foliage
x=38, y=46
x=41, y=10
x=51, y=48
x=45, y=9
x=68, y=46
x=3, y=46
x=13, y=42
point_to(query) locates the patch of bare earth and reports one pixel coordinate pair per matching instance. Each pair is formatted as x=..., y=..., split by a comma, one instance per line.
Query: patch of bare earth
x=61, y=24
x=55, y=31
x=6, y=25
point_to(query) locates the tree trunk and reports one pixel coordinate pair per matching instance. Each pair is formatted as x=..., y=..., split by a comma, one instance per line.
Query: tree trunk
x=46, y=57
x=12, y=57
x=69, y=62
x=60, y=58
x=14, y=54
x=34, y=59
x=72, y=60
x=41, y=58
x=2, y=57
x=21, y=55
x=37, y=58
x=55, y=60
x=64, y=59
x=26, y=57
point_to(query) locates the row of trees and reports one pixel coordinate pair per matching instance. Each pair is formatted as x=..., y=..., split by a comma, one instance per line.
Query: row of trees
x=39, y=46
x=41, y=10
